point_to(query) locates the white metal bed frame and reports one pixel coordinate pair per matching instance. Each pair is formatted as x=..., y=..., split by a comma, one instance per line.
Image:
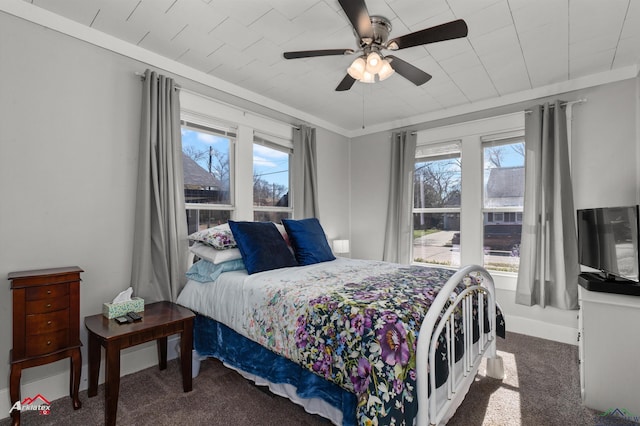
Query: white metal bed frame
x=429, y=410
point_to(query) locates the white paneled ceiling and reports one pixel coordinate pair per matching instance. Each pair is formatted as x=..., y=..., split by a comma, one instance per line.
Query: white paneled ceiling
x=512, y=46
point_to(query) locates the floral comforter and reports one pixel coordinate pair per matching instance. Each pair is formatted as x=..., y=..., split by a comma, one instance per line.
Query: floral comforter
x=355, y=323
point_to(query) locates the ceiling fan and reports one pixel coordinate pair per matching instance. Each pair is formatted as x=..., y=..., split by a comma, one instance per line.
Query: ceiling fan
x=372, y=33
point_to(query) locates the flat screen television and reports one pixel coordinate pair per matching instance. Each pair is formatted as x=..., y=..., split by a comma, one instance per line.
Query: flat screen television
x=608, y=241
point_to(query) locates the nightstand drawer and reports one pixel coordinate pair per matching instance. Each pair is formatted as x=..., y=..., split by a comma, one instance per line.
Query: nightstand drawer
x=46, y=305
x=46, y=343
x=47, y=292
x=44, y=277
x=47, y=323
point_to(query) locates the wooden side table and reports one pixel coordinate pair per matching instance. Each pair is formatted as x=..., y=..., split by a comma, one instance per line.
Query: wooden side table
x=46, y=325
x=159, y=321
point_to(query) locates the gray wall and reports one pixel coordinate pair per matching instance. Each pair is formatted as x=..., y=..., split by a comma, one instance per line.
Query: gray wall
x=604, y=152
x=70, y=118
x=370, y=175
x=69, y=126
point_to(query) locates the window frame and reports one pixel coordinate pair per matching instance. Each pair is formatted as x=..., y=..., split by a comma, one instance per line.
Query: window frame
x=285, y=146
x=208, y=126
x=499, y=213
x=436, y=152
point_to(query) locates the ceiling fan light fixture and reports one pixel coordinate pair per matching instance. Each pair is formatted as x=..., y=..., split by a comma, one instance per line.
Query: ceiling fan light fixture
x=367, y=77
x=374, y=63
x=385, y=71
x=357, y=68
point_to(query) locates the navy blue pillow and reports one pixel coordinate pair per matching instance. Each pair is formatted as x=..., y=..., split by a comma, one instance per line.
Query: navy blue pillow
x=261, y=246
x=308, y=240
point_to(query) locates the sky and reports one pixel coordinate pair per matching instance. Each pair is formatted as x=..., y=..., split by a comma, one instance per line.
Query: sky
x=272, y=165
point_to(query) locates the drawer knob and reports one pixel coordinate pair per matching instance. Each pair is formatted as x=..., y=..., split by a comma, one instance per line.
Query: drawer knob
x=48, y=305
x=48, y=342
x=48, y=291
x=48, y=322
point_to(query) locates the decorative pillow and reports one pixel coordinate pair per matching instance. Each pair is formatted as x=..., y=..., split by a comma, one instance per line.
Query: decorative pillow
x=262, y=246
x=308, y=241
x=205, y=251
x=219, y=237
x=204, y=271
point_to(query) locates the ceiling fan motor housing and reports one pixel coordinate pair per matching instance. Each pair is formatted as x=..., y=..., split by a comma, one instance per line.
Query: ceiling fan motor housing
x=381, y=29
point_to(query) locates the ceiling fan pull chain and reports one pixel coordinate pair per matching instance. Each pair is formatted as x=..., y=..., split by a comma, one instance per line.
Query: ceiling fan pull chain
x=363, y=89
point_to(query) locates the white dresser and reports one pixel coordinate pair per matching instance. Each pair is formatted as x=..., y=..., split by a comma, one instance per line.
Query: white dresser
x=609, y=348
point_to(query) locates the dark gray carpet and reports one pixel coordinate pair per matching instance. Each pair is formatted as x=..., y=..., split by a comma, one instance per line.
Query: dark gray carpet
x=541, y=388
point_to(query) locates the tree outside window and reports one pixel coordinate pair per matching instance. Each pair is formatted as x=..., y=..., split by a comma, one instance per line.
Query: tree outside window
x=271, y=182
x=436, y=209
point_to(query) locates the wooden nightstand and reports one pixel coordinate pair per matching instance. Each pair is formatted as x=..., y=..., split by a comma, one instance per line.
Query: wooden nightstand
x=159, y=320
x=46, y=325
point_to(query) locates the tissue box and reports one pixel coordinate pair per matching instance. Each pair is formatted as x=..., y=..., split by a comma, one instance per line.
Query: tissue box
x=113, y=310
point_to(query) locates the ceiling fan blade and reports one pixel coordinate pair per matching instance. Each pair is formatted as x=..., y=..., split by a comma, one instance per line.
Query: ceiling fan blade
x=346, y=83
x=358, y=14
x=313, y=53
x=448, y=31
x=408, y=71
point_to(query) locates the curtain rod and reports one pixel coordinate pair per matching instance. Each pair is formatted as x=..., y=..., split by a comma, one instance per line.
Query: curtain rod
x=578, y=101
x=142, y=77
x=293, y=126
x=528, y=111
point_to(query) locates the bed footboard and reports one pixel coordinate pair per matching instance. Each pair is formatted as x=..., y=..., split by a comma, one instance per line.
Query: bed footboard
x=441, y=320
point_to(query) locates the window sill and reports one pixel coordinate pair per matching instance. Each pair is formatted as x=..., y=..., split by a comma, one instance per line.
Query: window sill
x=504, y=280
x=501, y=280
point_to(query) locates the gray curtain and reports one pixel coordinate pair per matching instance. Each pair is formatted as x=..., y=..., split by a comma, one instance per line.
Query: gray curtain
x=548, y=274
x=306, y=192
x=160, y=236
x=398, y=236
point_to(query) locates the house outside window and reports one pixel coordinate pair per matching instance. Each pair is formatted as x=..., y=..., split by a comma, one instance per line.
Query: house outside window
x=436, y=205
x=271, y=179
x=207, y=159
x=503, y=202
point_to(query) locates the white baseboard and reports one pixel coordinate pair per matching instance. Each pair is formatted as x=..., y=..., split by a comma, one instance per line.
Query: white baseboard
x=57, y=386
x=541, y=329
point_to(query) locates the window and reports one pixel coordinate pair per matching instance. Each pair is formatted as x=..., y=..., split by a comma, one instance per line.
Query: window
x=207, y=155
x=490, y=186
x=436, y=205
x=271, y=179
x=242, y=161
x=503, y=201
